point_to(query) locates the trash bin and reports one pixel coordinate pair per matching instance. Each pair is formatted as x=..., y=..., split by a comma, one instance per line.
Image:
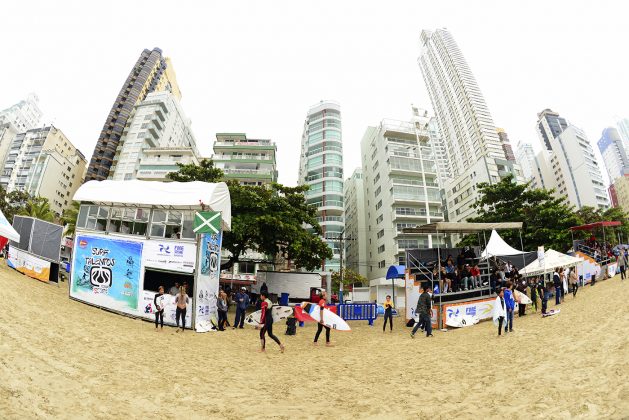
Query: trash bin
x=284, y=299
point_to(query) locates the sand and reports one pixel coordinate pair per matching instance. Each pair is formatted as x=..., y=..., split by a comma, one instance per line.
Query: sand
x=63, y=359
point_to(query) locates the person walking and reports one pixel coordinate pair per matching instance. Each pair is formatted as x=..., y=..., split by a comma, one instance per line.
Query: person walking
x=522, y=289
x=181, y=300
x=242, y=302
x=510, y=306
x=622, y=262
x=221, y=303
x=424, y=308
x=564, y=283
x=574, y=281
x=557, y=286
x=323, y=299
x=500, y=310
x=266, y=320
x=159, y=301
x=388, y=314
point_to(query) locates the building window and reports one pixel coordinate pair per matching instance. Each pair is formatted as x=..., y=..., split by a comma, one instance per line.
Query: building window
x=380, y=234
x=379, y=219
x=381, y=249
x=378, y=204
x=382, y=264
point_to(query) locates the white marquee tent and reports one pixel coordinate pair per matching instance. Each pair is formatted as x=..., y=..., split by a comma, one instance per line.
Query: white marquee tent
x=6, y=230
x=497, y=247
x=552, y=259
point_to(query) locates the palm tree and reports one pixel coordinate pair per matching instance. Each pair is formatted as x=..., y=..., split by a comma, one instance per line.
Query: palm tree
x=38, y=208
x=69, y=216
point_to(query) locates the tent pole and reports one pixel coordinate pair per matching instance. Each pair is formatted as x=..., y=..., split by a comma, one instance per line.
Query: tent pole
x=439, y=320
x=488, y=267
x=522, y=249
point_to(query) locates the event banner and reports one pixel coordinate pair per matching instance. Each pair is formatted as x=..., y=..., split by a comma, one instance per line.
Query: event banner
x=147, y=305
x=29, y=264
x=106, y=271
x=208, y=280
x=173, y=256
x=483, y=309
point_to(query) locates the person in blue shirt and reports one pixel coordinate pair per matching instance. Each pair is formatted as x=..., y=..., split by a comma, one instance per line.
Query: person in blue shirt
x=510, y=306
x=242, y=302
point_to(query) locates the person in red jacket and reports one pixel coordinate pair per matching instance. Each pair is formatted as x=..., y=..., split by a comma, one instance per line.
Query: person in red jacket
x=266, y=320
x=322, y=302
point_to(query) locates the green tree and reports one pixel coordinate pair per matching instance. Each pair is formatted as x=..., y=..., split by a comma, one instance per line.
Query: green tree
x=69, y=216
x=270, y=220
x=349, y=277
x=12, y=203
x=546, y=219
x=39, y=208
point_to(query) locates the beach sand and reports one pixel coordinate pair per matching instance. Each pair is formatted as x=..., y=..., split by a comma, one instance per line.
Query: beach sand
x=64, y=359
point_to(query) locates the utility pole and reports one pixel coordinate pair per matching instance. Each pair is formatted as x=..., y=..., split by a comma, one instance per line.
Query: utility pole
x=342, y=246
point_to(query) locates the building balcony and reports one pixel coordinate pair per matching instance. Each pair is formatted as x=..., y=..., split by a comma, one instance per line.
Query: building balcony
x=248, y=173
x=243, y=158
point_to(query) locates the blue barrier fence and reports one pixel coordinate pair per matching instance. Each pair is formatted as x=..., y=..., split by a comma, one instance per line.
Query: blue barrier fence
x=358, y=312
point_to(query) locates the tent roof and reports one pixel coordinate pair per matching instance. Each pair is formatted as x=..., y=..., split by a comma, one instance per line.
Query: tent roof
x=6, y=230
x=167, y=195
x=396, y=271
x=596, y=225
x=552, y=260
x=464, y=227
x=497, y=247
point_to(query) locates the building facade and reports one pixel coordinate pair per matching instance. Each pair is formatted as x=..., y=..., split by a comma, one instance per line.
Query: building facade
x=44, y=163
x=151, y=72
x=549, y=126
x=25, y=115
x=506, y=144
x=156, y=122
x=401, y=187
x=472, y=145
x=621, y=190
x=321, y=168
x=355, y=256
x=249, y=161
x=7, y=134
x=614, y=153
x=623, y=129
x=532, y=165
x=157, y=162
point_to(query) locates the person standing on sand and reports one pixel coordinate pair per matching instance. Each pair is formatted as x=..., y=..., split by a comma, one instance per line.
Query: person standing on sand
x=221, y=304
x=266, y=320
x=323, y=298
x=500, y=312
x=388, y=314
x=574, y=281
x=182, y=304
x=622, y=262
x=159, y=300
x=510, y=305
x=557, y=285
x=424, y=307
x=242, y=301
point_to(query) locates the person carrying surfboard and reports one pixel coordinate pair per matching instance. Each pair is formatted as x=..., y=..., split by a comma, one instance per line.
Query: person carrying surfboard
x=500, y=310
x=266, y=320
x=323, y=299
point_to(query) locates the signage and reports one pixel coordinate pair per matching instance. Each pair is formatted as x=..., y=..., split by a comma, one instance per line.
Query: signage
x=29, y=264
x=207, y=222
x=167, y=255
x=208, y=280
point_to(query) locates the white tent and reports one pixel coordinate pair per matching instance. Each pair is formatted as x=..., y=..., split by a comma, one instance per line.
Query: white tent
x=6, y=230
x=497, y=247
x=188, y=195
x=552, y=259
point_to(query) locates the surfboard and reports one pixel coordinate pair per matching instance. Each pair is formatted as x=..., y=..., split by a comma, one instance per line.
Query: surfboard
x=279, y=313
x=522, y=299
x=462, y=321
x=330, y=319
x=551, y=312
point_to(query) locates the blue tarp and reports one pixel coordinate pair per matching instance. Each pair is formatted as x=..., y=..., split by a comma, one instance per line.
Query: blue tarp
x=396, y=272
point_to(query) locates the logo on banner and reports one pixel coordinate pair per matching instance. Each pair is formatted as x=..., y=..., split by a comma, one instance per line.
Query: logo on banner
x=178, y=250
x=164, y=249
x=100, y=269
x=470, y=311
x=100, y=277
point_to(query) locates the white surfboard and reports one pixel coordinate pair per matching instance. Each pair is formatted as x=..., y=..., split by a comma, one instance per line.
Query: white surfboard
x=462, y=321
x=330, y=319
x=279, y=313
x=551, y=312
x=522, y=299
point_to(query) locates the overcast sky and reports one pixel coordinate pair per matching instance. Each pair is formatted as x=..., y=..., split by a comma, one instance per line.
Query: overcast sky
x=257, y=66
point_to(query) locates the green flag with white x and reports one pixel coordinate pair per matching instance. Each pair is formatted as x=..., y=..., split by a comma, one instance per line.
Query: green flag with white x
x=207, y=222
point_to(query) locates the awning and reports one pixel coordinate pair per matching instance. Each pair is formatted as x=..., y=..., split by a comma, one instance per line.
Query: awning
x=596, y=225
x=396, y=272
x=176, y=195
x=6, y=230
x=497, y=247
x=464, y=227
x=552, y=259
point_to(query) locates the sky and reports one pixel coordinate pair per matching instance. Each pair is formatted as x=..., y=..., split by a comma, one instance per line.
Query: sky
x=257, y=66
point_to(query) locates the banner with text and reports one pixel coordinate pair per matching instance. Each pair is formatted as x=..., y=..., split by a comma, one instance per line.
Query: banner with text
x=208, y=280
x=483, y=309
x=173, y=256
x=29, y=264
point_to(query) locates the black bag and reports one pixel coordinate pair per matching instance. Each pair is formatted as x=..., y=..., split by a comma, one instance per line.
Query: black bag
x=291, y=326
x=410, y=322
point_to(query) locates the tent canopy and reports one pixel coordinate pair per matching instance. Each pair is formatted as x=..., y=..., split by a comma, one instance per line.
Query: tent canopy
x=464, y=227
x=175, y=195
x=552, y=259
x=596, y=225
x=497, y=247
x=6, y=230
x=396, y=272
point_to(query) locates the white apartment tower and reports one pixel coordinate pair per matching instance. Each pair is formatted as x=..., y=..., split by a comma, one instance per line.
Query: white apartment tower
x=614, y=154
x=321, y=168
x=156, y=122
x=24, y=115
x=473, y=148
x=355, y=224
x=401, y=184
x=530, y=164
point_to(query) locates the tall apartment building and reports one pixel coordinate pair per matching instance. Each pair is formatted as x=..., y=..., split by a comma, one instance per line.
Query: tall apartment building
x=472, y=145
x=249, y=161
x=355, y=224
x=7, y=134
x=506, y=144
x=614, y=153
x=24, y=115
x=623, y=128
x=620, y=191
x=531, y=165
x=43, y=162
x=157, y=162
x=574, y=172
x=321, y=168
x=152, y=72
x=156, y=122
x=401, y=184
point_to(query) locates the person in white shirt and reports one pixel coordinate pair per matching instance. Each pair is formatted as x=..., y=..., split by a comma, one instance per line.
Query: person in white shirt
x=500, y=310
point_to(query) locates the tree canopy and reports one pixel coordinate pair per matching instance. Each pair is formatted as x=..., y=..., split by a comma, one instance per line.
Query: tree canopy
x=349, y=277
x=39, y=208
x=269, y=220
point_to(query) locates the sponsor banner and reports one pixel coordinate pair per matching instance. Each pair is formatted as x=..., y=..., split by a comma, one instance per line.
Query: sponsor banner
x=208, y=276
x=611, y=269
x=29, y=264
x=173, y=256
x=240, y=277
x=483, y=309
x=147, y=307
x=106, y=271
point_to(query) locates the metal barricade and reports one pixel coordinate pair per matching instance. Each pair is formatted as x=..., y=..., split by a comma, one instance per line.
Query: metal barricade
x=358, y=312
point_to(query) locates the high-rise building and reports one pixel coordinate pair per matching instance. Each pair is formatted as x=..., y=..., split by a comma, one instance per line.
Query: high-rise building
x=530, y=164
x=321, y=168
x=44, y=163
x=623, y=128
x=152, y=72
x=401, y=184
x=549, y=126
x=506, y=145
x=620, y=192
x=473, y=149
x=249, y=161
x=614, y=153
x=156, y=122
x=24, y=115
x=355, y=224
x=7, y=134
